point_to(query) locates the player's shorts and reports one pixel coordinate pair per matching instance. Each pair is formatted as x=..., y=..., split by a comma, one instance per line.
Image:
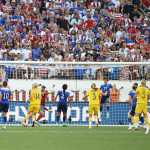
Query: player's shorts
x=42, y=103
x=132, y=112
x=34, y=108
x=94, y=108
x=4, y=107
x=105, y=99
x=62, y=107
x=141, y=108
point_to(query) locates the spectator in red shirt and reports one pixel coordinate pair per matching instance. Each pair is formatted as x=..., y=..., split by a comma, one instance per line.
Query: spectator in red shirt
x=133, y=31
x=141, y=41
x=89, y=22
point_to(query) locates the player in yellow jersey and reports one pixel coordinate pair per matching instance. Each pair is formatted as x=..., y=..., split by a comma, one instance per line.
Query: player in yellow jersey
x=143, y=94
x=94, y=102
x=35, y=102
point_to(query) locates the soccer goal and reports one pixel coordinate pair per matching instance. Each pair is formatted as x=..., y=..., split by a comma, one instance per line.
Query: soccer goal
x=78, y=76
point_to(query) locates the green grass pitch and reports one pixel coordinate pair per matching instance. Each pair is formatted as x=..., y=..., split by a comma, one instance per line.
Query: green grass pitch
x=73, y=138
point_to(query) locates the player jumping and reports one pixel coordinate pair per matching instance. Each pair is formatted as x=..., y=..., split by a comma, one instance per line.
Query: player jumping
x=94, y=95
x=5, y=94
x=105, y=88
x=35, y=101
x=62, y=104
x=143, y=94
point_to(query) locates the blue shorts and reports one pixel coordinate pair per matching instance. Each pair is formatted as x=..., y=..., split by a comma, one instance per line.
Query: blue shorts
x=4, y=107
x=132, y=112
x=62, y=107
x=105, y=99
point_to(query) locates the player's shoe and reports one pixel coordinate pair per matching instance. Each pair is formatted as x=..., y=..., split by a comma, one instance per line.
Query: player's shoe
x=147, y=131
x=135, y=129
x=90, y=127
x=36, y=122
x=56, y=125
x=33, y=124
x=64, y=125
x=4, y=128
x=25, y=125
x=101, y=115
x=50, y=110
x=129, y=128
x=107, y=115
x=144, y=127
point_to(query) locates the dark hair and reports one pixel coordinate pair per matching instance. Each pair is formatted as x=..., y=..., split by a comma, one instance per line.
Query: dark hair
x=135, y=84
x=5, y=83
x=134, y=87
x=64, y=87
x=105, y=78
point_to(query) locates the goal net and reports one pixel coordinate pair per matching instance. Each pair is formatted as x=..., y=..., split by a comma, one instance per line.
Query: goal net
x=78, y=76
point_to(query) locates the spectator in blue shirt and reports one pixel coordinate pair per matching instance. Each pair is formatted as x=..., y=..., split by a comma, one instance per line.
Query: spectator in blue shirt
x=36, y=52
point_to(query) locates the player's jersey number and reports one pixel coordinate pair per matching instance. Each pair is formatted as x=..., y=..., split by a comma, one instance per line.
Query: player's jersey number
x=94, y=96
x=143, y=93
x=37, y=96
x=6, y=95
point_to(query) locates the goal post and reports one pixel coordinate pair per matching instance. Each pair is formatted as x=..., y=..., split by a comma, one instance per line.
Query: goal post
x=78, y=76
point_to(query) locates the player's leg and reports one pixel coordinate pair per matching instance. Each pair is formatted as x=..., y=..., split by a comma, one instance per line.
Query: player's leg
x=101, y=106
x=146, y=118
x=59, y=108
x=107, y=106
x=41, y=114
x=5, y=110
x=5, y=120
x=90, y=109
x=130, y=119
x=95, y=114
x=142, y=121
x=138, y=110
x=45, y=108
x=64, y=110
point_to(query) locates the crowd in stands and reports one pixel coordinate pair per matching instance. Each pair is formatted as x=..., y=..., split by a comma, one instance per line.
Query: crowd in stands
x=77, y=30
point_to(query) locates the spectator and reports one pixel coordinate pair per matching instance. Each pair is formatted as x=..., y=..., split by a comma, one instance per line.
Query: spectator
x=36, y=52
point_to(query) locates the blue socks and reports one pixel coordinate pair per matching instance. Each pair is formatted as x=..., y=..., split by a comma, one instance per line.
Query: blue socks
x=64, y=119
x=129, y=120
x=58, y=117
x=142, y=120
x=5, y=120
x=107, y=109
x=101, y=108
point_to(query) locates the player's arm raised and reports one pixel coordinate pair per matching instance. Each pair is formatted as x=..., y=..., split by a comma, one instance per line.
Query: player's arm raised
x=55, y=99
x=136, y=93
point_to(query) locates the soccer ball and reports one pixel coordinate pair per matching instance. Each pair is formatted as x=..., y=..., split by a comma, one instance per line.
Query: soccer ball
x=110, y=70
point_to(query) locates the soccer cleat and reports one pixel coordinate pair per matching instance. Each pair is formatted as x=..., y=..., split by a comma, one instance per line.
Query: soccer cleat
x=50, y=110
x=4, y=128
x=101, y=115
x=36, y=122
x=135, y=129
x=129, y=128
x=90, y=127
x=64, y=125
x=25, y=125
x=144, y=127
x=33, y=124
x=147, y=132
x=108, y=116
x=56, y=125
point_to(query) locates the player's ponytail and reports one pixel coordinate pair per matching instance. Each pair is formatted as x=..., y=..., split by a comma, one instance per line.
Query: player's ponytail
x=64, y=87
